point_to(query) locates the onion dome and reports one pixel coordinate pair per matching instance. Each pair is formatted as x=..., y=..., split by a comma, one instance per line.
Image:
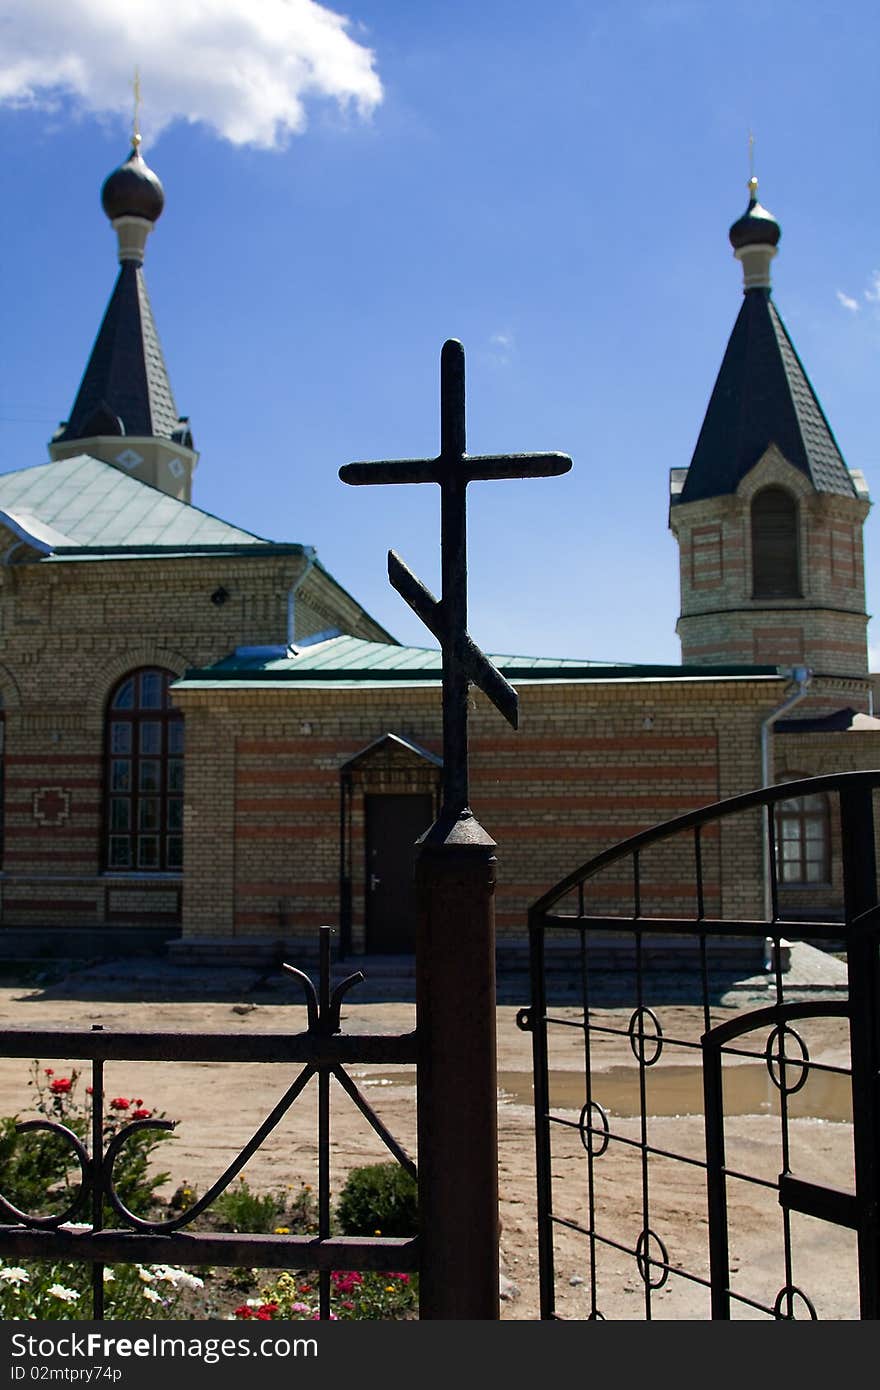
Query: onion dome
x=133, y=190
x=757, y=226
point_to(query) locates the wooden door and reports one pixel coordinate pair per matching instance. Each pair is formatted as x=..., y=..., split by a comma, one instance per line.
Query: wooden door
x=394, y=821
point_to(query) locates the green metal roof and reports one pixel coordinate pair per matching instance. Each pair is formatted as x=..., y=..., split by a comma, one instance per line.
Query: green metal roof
x=352, y=661
x=82, y=504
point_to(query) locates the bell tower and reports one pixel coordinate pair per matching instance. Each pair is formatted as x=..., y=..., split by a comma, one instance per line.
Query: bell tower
x=768, y=517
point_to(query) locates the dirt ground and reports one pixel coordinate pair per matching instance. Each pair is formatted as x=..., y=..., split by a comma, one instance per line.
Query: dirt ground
x=218, y=1107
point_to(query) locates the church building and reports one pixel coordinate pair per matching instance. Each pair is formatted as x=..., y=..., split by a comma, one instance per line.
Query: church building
x=210, y=747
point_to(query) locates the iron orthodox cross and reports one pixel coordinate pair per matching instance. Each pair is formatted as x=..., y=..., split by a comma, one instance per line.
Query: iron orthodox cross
x=453, y=469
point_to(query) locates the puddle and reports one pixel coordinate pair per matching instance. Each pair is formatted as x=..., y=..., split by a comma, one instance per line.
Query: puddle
x=671, y=1090
x=678, y=1090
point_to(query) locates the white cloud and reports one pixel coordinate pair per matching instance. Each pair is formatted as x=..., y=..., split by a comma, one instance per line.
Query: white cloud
x=246, y=68
x=502, y=347
x=872, y=293
x=847, y=302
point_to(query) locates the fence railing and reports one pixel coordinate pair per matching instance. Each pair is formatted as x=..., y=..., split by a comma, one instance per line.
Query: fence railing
x=95, y=1225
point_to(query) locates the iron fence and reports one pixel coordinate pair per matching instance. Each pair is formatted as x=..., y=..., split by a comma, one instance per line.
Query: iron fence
x=80, y=1231
x=693, y=1181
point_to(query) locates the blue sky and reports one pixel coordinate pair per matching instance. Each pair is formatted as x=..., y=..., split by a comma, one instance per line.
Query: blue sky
x=552, y=185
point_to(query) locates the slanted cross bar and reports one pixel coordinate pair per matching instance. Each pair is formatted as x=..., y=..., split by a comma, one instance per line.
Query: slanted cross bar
x=453, y=469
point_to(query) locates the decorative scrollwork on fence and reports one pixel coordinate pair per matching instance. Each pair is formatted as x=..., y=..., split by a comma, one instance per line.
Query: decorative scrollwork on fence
x=782, y=1067
x=321, y=1052
x=79, y=1198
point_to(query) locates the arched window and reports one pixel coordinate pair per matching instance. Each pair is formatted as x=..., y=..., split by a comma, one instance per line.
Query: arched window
x=144, y=786
x=775, y=567
x=776, y=570
x=803, y=840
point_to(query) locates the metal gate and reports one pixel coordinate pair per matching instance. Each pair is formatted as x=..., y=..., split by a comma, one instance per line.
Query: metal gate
x=644, y=1198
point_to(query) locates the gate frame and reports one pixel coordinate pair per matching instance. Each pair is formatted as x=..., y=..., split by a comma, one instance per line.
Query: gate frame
x=861, y=931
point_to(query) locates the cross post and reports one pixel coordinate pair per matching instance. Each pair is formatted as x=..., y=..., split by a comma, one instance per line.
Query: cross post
x=455, y=866
x=446, y=618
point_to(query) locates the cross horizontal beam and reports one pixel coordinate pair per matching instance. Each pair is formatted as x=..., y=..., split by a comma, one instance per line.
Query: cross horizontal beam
x=470, y=469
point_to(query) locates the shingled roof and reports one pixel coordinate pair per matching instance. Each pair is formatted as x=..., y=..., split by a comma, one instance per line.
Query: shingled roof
x=762, y=396
x=125, y=388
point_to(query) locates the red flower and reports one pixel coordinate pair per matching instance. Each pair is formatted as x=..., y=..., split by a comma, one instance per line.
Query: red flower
x=244, y=1311
x=266, y=1311
x=120, y=1103
x=88, y=1090
x=60, y=1086
x=139, y=1102
x=404, y=1278
x=345, y=1280
x=141, y=1114
x=50, y=1071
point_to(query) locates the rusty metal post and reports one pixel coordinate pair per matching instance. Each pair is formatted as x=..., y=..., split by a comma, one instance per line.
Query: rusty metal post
x=457, y=1088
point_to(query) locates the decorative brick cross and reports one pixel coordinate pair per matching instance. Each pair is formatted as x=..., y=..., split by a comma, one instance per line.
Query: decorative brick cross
x=446, y=617
x=51, y=806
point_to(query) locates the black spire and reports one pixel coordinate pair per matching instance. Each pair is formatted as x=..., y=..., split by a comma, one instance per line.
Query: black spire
x=125, y=389
x=762, y=394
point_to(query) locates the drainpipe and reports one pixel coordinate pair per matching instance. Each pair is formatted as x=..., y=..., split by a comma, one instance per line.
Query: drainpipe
x=311, y=556
x=801, y=676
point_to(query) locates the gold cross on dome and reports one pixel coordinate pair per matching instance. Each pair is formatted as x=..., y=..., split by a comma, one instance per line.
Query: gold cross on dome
x=136, y=126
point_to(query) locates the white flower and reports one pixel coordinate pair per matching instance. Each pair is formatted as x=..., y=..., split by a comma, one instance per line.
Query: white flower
x=152, y=1296
x=178, y=1278
x=146, y=1274
x=14, y=1275
x=66, y=1295
x=109, y=1276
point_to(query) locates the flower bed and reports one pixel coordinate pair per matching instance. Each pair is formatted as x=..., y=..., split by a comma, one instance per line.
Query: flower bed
x=39, y=1174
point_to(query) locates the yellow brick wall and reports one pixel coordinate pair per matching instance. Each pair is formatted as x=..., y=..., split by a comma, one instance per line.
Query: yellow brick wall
x=69, y=630
x=590, y=765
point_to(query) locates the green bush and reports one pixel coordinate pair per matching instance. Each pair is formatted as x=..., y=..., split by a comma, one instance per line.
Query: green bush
x=379, y=1197
x=40, y=1172
x=241, y=1209
x=36, y=1168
